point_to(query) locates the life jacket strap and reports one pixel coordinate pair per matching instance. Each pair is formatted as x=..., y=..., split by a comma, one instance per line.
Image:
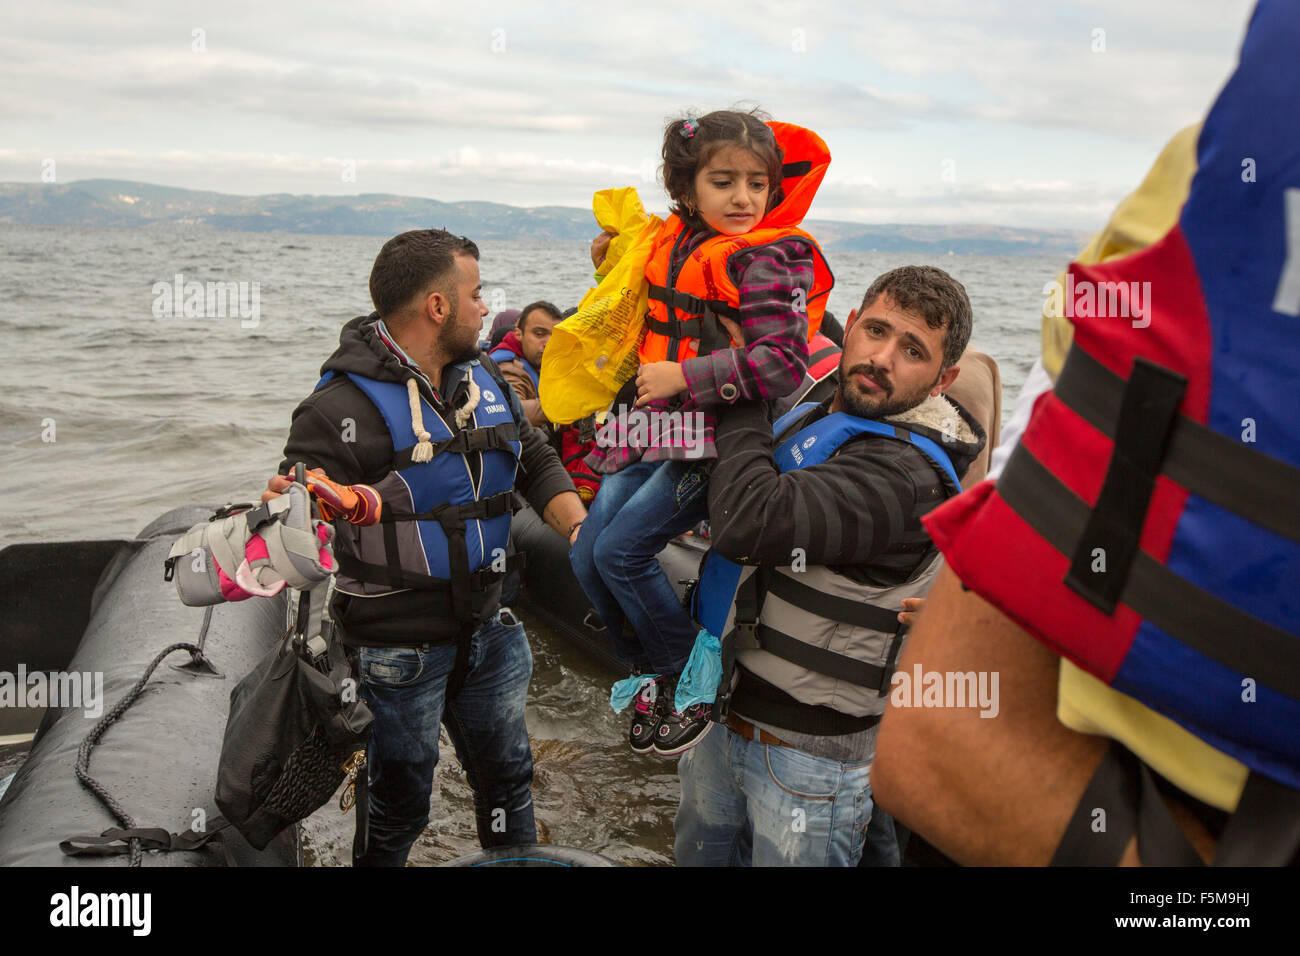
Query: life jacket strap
x=1264, y=830
x=840, y=609
x=822, y=661
x=705, y=326
x=480, y=580
x=489, y=438
x=1148, y=407
x=1195, y=617
x=765, y=702
x=1209, y=464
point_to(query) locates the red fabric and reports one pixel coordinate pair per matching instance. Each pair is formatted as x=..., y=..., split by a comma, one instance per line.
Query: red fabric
x=996, y=554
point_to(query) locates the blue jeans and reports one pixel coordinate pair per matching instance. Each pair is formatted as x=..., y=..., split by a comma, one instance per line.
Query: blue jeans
x=746, y=803
x=638, y=511
x=405, y=688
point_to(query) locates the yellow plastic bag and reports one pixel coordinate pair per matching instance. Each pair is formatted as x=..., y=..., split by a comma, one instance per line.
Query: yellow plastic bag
x=594, y=351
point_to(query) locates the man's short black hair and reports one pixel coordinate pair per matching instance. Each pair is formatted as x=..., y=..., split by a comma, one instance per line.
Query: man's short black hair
x=545, y=306
x=412, y=263
x=935, y=296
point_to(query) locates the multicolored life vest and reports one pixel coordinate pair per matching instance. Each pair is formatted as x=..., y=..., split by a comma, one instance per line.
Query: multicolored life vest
x=816, y=648
x=681, y=321
x=1147, y=527
x=446, y=521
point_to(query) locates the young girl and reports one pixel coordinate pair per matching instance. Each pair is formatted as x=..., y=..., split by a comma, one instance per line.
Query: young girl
x=736, y=291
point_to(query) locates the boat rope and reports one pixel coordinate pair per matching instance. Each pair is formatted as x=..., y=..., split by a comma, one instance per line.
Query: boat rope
x=92, y=738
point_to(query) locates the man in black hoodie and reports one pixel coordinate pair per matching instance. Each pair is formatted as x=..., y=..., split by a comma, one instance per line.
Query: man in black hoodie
x=828, y=511
x=410, y=406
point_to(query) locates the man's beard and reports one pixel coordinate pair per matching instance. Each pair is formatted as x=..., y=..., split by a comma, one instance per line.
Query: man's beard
x=879, y=405
x=450, y=341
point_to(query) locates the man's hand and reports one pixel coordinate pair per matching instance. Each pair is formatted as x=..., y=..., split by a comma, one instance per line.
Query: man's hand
x=910, y=608
x=599, y=246
x=275, y=487
x=659, y=380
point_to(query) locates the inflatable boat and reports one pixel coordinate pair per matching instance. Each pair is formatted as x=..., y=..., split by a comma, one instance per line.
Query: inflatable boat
x=96, y=614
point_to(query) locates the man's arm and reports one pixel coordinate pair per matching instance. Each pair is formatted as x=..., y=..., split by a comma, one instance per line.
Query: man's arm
x=989, y=790
x=542, y=478
x=846, y=510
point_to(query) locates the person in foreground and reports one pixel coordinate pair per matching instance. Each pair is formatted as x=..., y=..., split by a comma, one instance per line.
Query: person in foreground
x=1131, y=574
x=409, y=406
x=817, y=540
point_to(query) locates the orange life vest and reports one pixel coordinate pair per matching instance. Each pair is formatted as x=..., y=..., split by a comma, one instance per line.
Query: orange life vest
x=681, y=320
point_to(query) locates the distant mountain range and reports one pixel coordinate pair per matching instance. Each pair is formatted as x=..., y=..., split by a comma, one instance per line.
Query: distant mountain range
x=120, y=203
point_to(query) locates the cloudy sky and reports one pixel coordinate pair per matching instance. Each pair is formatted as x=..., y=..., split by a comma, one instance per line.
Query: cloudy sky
x=1015, y=112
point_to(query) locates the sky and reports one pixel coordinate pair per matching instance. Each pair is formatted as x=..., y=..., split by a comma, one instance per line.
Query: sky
x=1010, y=112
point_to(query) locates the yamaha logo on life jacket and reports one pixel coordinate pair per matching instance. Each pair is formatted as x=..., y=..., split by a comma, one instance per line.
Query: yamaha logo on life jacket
x=824, y=641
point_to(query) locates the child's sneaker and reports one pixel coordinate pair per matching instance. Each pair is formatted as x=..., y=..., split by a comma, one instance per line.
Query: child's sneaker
x=678, y=733
x=647, y=711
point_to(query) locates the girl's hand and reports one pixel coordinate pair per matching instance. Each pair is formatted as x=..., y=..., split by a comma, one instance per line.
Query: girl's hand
x=659, y=380
x=599, y=246
x=733, y=330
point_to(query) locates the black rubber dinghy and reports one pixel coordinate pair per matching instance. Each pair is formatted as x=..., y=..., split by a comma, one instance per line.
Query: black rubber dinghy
x=553, y=594
x=158, y=760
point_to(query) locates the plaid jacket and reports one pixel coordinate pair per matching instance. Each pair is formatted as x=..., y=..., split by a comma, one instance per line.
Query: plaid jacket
x=771, y=365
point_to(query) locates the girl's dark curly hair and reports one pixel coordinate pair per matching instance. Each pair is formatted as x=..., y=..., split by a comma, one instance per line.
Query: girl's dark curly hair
x=683, y=155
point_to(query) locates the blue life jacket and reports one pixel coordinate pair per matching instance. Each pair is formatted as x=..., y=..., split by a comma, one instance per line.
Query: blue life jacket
x=445, y=524
x=505, y=355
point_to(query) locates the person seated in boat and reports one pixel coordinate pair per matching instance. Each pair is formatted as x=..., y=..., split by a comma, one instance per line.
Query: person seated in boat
x=409, y=405
x=730, y=249
x=502, y=323
x=816, y=543
x=519, y=354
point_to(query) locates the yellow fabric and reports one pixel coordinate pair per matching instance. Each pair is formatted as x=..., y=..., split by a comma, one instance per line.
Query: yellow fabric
x=594, y=351
x=1142, y=218
x=1088, y=706
x=1084, y=703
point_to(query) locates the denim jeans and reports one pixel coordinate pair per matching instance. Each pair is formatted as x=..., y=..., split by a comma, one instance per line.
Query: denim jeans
x=638, y=511
x=746, y=803
x=405, y=688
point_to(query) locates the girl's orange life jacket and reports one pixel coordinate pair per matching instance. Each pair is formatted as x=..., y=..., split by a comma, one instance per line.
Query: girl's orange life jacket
x=681, y=320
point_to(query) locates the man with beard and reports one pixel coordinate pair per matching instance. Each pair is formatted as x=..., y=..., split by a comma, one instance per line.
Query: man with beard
x=817, y=540
x=409, y=406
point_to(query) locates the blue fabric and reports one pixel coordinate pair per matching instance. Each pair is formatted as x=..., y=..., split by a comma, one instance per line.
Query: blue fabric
x=636, y=514
x=699, y=681
x=446, y=478
x=405, y=688
x=505, y=355
x=750, y=804
x=625, y=690
x=817, y=442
